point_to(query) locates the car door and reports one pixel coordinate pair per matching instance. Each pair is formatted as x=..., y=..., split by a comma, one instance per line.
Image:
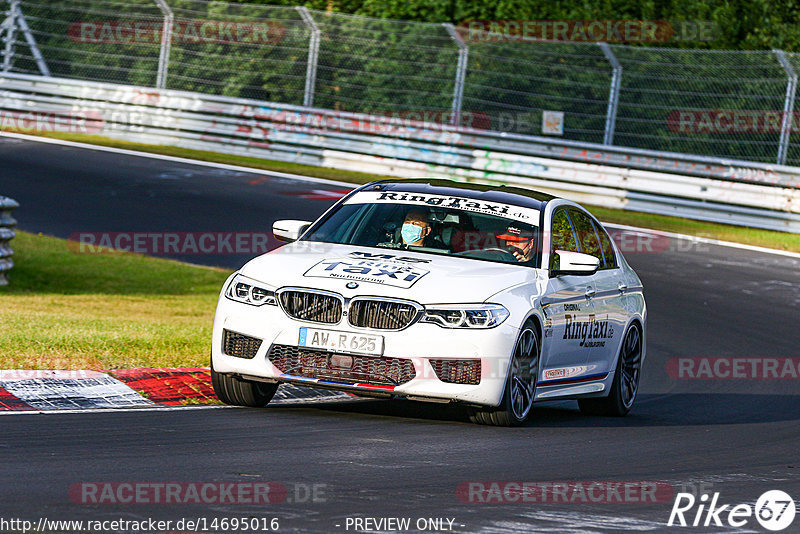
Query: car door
x=567, y=305
x=610, y=316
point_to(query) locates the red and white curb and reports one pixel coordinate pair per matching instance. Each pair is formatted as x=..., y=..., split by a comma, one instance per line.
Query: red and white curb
x=22, y=390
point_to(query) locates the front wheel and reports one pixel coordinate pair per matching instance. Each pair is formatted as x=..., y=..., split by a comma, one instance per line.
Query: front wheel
x=520, y=386
x=626, y=380
x=239, y=392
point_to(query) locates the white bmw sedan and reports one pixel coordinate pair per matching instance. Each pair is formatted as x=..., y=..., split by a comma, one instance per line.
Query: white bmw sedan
x=492, y=297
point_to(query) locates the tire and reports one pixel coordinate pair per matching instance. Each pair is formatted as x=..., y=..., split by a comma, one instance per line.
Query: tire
x=520, y=387
x=626, y=379
x=239, y=392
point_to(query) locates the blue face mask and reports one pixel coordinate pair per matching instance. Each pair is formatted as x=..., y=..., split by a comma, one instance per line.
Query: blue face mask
x=411, y=233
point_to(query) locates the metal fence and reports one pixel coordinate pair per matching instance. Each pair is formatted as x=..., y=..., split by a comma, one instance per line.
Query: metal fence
x=735, y=192
x=730, y=104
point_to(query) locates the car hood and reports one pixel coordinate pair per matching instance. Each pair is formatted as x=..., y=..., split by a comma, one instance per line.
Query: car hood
x=425, y=278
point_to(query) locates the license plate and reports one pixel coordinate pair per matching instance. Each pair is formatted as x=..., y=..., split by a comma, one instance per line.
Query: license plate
x=336, y=341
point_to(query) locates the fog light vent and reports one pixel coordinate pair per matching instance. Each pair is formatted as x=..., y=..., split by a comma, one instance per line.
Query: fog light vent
x=458, y=371
x=239, y=345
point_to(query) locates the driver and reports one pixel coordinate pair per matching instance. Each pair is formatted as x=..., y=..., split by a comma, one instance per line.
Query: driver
x=518, y=242
x=416, y=228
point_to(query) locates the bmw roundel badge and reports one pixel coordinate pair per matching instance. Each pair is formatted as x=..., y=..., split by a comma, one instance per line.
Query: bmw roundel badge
x=351, y=285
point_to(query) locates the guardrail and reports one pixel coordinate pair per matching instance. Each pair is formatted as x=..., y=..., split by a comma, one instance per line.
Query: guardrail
x=7, y=224
x=714, y=189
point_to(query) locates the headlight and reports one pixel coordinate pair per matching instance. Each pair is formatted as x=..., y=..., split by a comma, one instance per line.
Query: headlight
x=244, y=290
x=465, y=315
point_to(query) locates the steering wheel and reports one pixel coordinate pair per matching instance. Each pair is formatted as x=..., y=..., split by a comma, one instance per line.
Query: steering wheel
x=498, y=249
x=506, y=254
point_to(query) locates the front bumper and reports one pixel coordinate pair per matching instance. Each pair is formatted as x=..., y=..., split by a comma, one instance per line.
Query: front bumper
x=419, y=343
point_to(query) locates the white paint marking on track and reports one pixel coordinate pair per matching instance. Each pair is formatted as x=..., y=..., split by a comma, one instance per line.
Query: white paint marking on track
x=705, y=240
x=163, y=408
x=175, y=159
x=312, y=179
x=151, y=408
x=57, y=390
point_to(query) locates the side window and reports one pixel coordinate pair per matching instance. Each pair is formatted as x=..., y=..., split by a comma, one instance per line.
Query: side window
x=608, y=248
x=587, y=237
x=562, y=236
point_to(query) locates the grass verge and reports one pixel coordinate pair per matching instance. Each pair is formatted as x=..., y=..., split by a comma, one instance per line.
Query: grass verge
x=724, y=232
x=64, y=310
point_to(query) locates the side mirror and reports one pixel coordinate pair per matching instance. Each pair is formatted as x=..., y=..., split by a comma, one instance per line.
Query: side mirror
x=575, y=263
x=289, y=230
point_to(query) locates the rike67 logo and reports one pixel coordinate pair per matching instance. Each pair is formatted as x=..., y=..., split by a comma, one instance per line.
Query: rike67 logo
x=774, y=510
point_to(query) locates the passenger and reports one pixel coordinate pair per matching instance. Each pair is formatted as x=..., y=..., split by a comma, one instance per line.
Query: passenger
x=518, y=242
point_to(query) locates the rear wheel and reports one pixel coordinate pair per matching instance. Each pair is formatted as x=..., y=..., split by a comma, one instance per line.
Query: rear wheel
x=239, y=392
x=626, y=380
x=520, y=386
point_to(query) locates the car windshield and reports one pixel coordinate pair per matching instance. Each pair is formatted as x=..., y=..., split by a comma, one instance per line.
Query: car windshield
x=434, y=224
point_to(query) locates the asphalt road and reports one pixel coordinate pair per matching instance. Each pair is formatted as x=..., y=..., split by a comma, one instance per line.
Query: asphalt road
x=735, y=436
